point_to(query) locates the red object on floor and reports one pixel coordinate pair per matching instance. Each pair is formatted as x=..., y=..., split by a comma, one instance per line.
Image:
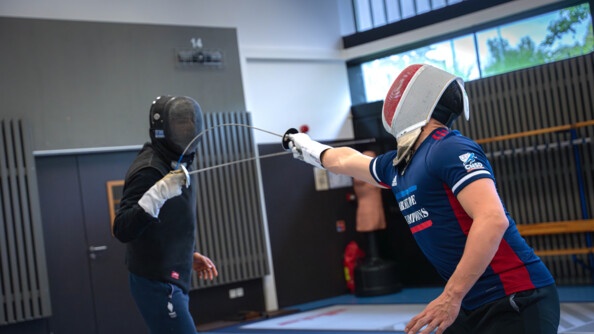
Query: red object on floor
x=352, y=255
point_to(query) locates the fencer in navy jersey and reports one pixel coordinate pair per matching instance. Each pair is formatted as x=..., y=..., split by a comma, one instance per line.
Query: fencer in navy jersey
x=446, y=191
x=157, y=217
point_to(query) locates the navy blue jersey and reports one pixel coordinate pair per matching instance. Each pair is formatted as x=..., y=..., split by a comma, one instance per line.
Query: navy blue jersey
x=442, y=166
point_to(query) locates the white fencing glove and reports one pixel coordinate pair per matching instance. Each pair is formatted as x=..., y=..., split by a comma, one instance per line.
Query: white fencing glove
x=167, y=187
x=304, y=148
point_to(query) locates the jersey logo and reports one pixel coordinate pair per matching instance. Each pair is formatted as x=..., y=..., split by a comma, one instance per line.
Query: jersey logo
x=469, y=161
x=395, y=181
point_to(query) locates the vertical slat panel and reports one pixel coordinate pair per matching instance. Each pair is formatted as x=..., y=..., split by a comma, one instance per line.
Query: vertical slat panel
x=222, y=190
x=19, y=224
x=15, y=287
x=4, y=263
x=205, y=233
x=245, y=151
x=586, y=87
x=240, y=251
x=587, y=154
x=212, y=209
x=228, y=202
x=24, y=282
x=230, y=176
x=254, y=203
x=6, y=232
x=41, y=296
x=539, y=177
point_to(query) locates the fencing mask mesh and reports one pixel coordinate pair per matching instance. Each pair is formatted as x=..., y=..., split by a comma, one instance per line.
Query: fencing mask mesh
x=174, y=122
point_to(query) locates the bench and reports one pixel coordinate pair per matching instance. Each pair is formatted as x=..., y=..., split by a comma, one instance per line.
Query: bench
x=560, y=227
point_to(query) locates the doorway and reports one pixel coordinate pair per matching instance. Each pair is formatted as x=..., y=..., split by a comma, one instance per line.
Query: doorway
x=88, y=278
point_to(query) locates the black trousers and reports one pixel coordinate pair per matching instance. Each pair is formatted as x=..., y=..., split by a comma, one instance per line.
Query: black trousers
x=528, y=312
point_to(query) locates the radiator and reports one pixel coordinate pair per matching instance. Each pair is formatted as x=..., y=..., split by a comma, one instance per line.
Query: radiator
x=24, y=285
x=545, y=177
x=230, y=220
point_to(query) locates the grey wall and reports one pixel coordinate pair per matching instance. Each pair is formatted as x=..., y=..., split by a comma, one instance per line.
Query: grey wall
x=89, y=84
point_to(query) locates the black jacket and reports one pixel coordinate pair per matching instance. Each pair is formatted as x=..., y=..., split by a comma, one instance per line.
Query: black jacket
x=156, y=248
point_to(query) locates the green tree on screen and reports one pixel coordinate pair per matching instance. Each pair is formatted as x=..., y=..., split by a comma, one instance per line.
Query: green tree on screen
x=505, y=58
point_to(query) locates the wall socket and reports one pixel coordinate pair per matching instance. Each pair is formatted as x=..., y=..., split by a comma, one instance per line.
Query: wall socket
x=235, y=293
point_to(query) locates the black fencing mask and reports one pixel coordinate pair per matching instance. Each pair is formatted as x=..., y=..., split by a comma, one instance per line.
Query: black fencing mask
x=174, y=123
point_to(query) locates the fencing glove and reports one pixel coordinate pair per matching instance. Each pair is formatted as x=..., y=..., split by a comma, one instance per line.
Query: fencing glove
x=306, y=149
x=167, y=187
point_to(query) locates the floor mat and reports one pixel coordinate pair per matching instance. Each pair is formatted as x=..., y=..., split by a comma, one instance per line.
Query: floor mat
x=575, y=318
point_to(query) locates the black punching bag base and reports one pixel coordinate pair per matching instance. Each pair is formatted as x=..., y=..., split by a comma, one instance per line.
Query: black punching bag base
x=376, y=277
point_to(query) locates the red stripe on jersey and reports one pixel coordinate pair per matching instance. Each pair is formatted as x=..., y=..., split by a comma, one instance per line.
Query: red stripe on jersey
x=439, y=134
x=421, y=226
x=513, y=280
x=463, y=218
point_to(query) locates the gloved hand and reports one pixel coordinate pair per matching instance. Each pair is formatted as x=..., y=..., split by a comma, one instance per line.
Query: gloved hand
x=167, y=187
x=306, y=149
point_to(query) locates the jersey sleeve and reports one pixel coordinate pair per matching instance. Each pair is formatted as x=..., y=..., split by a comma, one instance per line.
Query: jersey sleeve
x=459, y=161
x=378, y=169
